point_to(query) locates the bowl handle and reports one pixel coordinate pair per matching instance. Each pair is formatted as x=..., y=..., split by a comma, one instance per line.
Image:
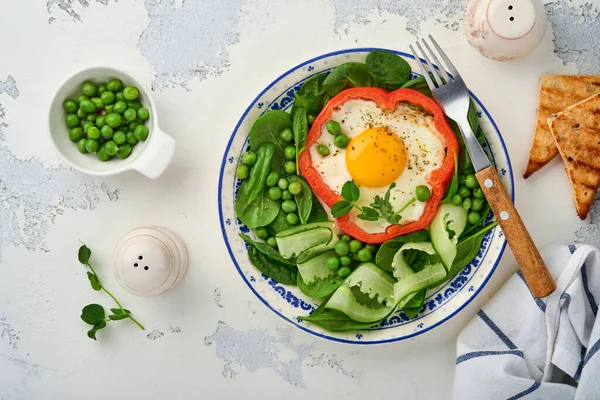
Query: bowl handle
x=156, y=157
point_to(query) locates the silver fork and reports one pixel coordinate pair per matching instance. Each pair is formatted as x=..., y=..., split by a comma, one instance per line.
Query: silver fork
x=451, y=93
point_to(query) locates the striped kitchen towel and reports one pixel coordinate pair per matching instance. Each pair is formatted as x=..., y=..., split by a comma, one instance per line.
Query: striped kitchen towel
x=518, y=346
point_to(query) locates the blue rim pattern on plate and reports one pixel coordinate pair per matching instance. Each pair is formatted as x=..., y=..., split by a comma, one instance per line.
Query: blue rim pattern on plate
x=295, y=301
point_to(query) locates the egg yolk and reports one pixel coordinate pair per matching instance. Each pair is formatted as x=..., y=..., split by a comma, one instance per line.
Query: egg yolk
x=376, y=157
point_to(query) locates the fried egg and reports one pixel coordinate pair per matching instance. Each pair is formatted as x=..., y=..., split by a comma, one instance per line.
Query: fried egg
x=400, y=146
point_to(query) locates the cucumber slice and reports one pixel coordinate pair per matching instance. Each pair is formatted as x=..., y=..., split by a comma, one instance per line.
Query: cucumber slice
x=302, y=228
x=318, y=249
x=423, y=279
x=344, y=300
x=315, y=268
x=446, y=227
x=293, y=244
x=400, y=267
x=320, y=288
x=372, y=281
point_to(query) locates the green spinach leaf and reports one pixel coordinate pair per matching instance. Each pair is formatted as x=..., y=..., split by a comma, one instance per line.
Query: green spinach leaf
x=389, y=70
x=318, y=213
x=260, y=212
x=277, y=271
x=336, y=321
x=453, y=187
x=300, y=128
x=419, y=84
x=268, y=251
x=266, y=129
x=348, y=75
x=311, y=96
x=387, y=251
x=279, y=223
x=303, y=199
x=320, y=288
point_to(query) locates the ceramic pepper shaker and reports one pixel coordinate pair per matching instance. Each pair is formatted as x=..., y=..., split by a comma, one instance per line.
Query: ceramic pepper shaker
x=505, y=29
x=150, y=260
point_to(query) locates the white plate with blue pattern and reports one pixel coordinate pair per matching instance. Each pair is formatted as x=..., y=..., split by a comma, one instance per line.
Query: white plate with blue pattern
x=288, y=302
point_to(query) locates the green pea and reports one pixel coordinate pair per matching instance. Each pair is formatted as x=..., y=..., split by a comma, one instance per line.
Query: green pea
x=295, y=188
x=132, y=125
x=345, y=260
x=120, y=107
x=286, y=195
x=97, y=102
x=477, y=204
x=111, y=148
x=289, y=152
x=114, y=85
x=86, y=125
x=334, y=128
x=101, y=88
x=464, y=192
x=124, y=151
x=272, y=242
x=101, y=121
x=283, y=183
x=70, y=106
x=113, y=120
x=456, y=199
x=473, y=217
x=289, y=167
x=372, y=248
x=119, y=96
x=131, y=139
x=341, y=141
x=345, y=238
x=478, y=193
x=141, y=132
x=75, y=134
x=102, y=154
x=292, y=219
x=344, y=272
x=108, y=97
x=342, y=248
x=87, y=106
x=92, y=145
x=119, y=137
x=249, y=158
x=286, y=135
x=89, y=88
x=136, y=105
x=92, y=117
x=106, y=132
x=93, y=132
x=81, y=114
x=471, y=181
x=272, y=179
x=82, y=97
x=355, y=246
x=143, y=113
x=323, y=149
x=467, y=203
x=288, y=206
x=422, y=193
x=262, y=233
x=130, y=115
x=242, y=171
x=310, y=119
x=81, y=145
x=365, y=255
x=109, y=109
x=333, y=263
x=130, y=93
x=275, y=193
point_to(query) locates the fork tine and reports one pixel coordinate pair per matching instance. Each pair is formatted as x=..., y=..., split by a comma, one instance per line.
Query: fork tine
x=449, y=64
x=422, y=67
x=442, y=70
x=430, y=66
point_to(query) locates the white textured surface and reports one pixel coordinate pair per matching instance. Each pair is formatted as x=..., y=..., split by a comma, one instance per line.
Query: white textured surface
x=205, y=61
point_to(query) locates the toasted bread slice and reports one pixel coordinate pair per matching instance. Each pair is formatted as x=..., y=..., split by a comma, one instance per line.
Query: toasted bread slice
x=557, y=92
x=577, y=134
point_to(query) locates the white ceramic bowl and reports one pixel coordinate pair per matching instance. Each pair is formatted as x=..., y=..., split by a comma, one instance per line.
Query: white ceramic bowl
x=150, y=157
x=289, y=302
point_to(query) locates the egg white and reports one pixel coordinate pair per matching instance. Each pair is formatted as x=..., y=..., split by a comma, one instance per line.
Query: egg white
x=425, y=147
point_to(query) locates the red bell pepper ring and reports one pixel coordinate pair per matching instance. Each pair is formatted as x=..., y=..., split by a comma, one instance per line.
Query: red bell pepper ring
x=438, y=179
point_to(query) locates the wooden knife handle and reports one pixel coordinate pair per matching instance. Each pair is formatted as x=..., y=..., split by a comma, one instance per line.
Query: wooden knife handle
x=526, y=253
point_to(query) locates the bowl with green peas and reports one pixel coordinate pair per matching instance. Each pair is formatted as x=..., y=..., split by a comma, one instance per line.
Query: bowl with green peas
x=103, y=121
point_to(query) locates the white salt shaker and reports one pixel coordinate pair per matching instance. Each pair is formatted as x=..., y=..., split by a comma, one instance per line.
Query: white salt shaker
x=505, y=29
x=150, y=260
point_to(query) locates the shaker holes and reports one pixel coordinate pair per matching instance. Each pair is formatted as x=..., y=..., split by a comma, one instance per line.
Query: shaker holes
x=146, y=268
x=512, y=18
x=135, y=265
x=510, y=7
